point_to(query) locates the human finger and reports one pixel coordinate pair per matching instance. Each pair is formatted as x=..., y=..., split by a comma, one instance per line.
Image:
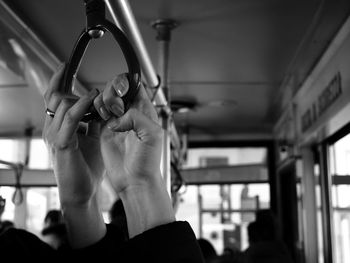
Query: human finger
x=112, y=100
x=75, y=113
x=54, y=102
x=60, y=112
x=94, y=129
x=55, y=83
x=143, y=103
x=120, y=84
x=52, y=127
x=52, y=96
x=101, y=108
x=145, y=128
x=51, y=105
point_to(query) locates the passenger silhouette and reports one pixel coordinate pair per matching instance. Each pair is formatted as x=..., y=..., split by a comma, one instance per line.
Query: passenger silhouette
x=4, y=224
x=118, y=219
x=265, y=245
x=208, y=250
x=54, y=232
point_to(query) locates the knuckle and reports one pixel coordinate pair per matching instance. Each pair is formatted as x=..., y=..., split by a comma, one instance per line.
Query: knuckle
x=47, y=95
x=157, y=131
x=122, y=77
x=45, y=134
x=69, y=117
x=53, y=142
x=58, y=145
x=65, y=102
x=131, y=111
x=55, y=96
x=51, y=96
x=54, y=145
x=107, y=98
x=97, y=101
x=45, y=137
x=49, y=140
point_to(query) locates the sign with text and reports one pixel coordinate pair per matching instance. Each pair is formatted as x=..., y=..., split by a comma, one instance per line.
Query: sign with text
x=326, y=98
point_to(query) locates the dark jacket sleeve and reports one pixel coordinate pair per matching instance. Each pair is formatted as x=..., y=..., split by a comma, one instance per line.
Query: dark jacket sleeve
x=170, y=243
x=173, y=242
x=20, y=245
x=105, y=249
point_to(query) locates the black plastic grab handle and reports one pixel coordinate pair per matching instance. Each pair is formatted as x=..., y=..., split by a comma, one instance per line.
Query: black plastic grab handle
x=134, y=71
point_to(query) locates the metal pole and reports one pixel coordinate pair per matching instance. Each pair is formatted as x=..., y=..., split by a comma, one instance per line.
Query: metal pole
x=123, y=17
x=200, y=211
x=164, y=28
x=310, y=209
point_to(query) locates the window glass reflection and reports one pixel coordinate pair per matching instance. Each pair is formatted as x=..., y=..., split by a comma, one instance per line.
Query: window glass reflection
x=340, y=157
x=339, y=154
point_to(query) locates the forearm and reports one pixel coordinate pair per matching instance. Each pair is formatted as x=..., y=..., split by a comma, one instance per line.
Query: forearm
x=146, y=206
x=85, y=223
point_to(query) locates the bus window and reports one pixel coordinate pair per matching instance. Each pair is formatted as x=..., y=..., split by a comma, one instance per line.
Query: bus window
x=10, y=150
x=221, y=211
x=39, y=155
x=39, y=201
x=30, y=213
x=204, y=157
x=13, y=150
x=9, y=212
x=339, y=153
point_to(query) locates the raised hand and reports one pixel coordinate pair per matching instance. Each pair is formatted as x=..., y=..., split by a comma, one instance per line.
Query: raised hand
x=131, y=146
x=77, y=161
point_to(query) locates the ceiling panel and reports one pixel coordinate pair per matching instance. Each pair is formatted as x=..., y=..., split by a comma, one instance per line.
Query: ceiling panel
x=235, y=50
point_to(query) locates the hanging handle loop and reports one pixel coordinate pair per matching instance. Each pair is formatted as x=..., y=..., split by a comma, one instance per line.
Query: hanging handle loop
x=96, y=26
x=17, y=197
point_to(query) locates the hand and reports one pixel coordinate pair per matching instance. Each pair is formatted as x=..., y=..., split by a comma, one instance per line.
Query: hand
x=76, y=158
x=131, y=146
x=77, y=163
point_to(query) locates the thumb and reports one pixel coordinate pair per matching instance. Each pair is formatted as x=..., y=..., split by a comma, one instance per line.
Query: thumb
x=134, y=120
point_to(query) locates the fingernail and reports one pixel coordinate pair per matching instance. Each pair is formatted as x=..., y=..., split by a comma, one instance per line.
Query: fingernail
x=113, y=124
x=121, y=86
x=117, y=110
x=93, y=92
x=104, y=113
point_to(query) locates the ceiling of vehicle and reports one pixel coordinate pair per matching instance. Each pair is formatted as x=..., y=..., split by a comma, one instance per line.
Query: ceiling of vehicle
x=241, y=53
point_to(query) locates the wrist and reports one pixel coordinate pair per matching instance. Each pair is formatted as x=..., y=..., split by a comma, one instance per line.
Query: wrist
x=80, y=205
x=84, y=222
x=146, y=206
